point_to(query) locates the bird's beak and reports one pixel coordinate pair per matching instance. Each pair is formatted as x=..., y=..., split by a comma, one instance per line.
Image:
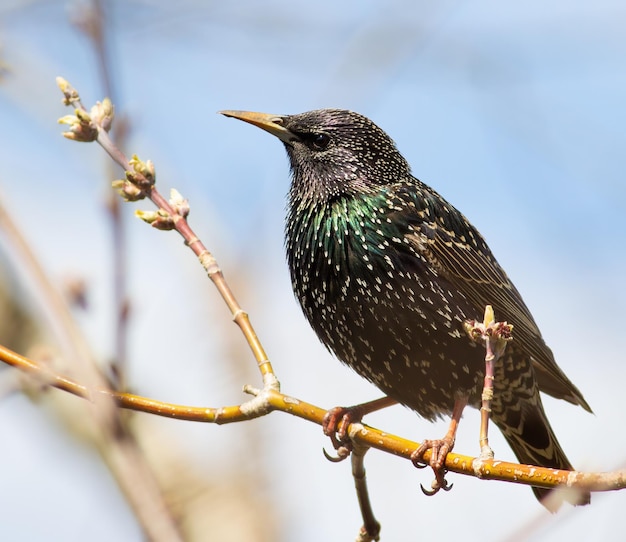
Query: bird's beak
x=270, y=123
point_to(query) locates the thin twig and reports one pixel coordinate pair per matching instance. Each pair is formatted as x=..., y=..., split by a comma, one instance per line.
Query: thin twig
x=207, y=259
x=139, y=184
x=370, y=531
x=494, y=336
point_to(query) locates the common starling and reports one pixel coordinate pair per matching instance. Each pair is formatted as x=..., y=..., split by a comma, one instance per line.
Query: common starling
x=387, y=272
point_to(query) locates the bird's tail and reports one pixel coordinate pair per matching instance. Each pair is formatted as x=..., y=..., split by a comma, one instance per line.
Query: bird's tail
x=534, y=443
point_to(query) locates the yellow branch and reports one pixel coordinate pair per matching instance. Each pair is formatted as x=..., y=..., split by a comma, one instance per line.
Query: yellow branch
x=269, y=399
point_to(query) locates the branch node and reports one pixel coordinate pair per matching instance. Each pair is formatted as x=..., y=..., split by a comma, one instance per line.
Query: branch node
x=237, y=313
x=251, y=390
x=260, y=404
x=478, y=464
x=209, y=263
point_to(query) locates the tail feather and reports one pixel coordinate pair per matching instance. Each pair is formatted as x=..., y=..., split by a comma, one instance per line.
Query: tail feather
x=534, y=443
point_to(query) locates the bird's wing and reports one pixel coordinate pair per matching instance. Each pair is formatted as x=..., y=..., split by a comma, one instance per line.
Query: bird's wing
x=459, y=253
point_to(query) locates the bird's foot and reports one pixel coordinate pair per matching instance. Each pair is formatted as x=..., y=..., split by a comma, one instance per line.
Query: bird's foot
x=335, y=426
x=338, y=419
x=439, y=449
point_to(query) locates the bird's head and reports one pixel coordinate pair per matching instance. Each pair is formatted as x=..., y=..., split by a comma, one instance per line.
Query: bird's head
x=333, y=152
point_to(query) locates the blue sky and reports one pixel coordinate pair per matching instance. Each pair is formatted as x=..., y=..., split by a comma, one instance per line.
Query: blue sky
x=513, y=111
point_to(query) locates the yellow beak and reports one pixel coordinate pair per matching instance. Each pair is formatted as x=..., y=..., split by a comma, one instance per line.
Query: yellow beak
x=270, y=123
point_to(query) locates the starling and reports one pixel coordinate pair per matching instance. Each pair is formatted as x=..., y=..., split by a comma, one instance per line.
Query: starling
x=387, y=272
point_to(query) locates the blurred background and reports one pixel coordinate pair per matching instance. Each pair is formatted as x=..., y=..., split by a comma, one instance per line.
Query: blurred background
x=513, y=111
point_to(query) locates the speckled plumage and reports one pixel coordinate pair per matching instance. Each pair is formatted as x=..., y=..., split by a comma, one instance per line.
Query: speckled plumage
x=387, y=271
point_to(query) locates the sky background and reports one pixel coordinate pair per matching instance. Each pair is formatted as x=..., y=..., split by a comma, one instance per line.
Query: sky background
x=513, y=111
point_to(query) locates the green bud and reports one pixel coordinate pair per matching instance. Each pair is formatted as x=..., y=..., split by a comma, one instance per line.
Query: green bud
x=161, y=220
x=102, y=114
x=127, y=190
x=69, y=92
x=79, y=130
x=145, y=173
x=82, y=116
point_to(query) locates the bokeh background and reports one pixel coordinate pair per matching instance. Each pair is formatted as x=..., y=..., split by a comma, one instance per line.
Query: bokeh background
x=514, y=111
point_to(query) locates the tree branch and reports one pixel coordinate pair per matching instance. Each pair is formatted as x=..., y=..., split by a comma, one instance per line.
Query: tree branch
x=270, y=398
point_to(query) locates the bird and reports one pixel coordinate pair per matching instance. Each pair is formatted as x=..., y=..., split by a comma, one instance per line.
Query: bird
x=387, y=272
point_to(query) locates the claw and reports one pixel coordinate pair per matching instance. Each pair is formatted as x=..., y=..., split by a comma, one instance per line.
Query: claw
x=342, y=453
x=336, y=422
x=337, y=442
x=343, y=448
x=334, y=425
x=436, y=485
x=428, y=492
x=439, y=449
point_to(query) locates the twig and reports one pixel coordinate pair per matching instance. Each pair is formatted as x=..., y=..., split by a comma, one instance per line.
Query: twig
x=140, y=184
x=370, y=531
x=494, y=336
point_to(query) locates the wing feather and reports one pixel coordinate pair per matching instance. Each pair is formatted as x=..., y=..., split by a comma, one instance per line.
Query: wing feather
x=459, y=253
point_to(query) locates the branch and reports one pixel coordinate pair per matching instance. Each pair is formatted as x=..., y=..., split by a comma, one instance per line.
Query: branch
x=139, y=184
x=270, y=398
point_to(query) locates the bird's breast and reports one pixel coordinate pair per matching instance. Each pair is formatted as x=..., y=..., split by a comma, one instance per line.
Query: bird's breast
x=374, y=301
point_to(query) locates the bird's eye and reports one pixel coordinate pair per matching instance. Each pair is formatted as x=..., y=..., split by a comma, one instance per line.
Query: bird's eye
x=320, y=141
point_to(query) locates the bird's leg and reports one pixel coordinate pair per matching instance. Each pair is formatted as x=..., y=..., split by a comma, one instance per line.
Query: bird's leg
x=337, y=420
x=439, y=449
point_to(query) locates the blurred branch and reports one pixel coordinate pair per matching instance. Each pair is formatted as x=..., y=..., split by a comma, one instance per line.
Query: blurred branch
x=113, y=442
x=91, y=19
x=61, y=320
